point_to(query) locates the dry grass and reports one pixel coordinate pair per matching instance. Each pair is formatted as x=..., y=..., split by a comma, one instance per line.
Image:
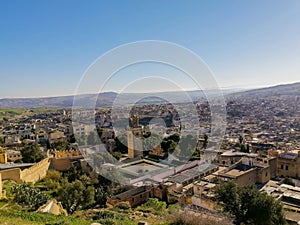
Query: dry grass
x=188, y=218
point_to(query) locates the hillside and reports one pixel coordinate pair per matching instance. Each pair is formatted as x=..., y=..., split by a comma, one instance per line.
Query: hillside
x=108, y=98
x=278, y=90
x=61, y=101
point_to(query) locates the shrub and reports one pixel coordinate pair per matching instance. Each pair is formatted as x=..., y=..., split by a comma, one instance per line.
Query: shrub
x=123, y=206
x=153, y=205
x=26, y=195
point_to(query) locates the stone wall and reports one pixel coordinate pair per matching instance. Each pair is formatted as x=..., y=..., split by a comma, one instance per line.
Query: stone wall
x=32, y=174
x=12, y=174
x=61, y=164
x=36, y=172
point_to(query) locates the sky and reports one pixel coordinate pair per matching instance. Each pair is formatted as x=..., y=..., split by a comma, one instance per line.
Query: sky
x=46, y=46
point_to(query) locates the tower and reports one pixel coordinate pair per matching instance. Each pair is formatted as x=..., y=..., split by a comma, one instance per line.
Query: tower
x=130, y=144
x=135, y=145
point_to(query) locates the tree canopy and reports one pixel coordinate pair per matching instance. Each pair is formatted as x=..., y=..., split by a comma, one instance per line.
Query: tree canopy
x=31, y=153
x=249, y=206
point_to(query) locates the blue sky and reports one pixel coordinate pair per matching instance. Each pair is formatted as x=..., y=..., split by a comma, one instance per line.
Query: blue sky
x=45, y=46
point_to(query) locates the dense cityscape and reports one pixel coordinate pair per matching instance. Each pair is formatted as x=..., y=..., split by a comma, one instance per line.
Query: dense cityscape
x=45, y=154
x=149, y=112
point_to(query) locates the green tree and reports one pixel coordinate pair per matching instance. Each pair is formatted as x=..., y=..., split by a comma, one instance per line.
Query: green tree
x=100, y=196
x=174, y=137
x=248, y=206
x=75, y=195
x=53, y=175
x=205, y=143
x=168, y=145
x=241, y=139
x=52, y=180
x=100, y=132
x=1, y=140
x=31, y=153
x=71, y=138
x=243, y=148
x=119, y=146
x=60, y=145
x=117, y=155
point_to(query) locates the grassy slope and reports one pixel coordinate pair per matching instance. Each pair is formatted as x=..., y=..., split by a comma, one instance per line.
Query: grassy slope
x=22, y=218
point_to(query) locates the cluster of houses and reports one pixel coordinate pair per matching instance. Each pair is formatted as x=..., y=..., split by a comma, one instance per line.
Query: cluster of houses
x=260, y=147
x=194, y=183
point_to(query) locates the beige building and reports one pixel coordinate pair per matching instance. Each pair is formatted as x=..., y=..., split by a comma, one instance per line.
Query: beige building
x=246, y=172
x=133, y=197
x=57, y=136
x=204, y=195
x=288, y=163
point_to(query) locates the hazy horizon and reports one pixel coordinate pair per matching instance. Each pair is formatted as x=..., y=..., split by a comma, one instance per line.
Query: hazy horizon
x=232, y=88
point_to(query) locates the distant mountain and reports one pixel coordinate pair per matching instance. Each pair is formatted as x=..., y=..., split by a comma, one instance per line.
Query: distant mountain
x=62, y=101
x=276, y=91
x=109, y=98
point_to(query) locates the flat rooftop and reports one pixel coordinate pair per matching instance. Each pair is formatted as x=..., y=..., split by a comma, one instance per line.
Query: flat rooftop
x=142, y=166
x=15, y=165
x=239, y=170
x=288, y=155
x=191, y=174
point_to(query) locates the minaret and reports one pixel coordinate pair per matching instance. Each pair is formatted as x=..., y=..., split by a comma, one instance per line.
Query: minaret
x=134, y=134
x=130, y=144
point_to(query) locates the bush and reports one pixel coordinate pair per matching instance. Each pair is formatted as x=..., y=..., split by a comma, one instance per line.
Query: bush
x=53, y=175
x=26, y=195
x=123, y=206
x=154, y=206
x=104, y=215
x=174, y=208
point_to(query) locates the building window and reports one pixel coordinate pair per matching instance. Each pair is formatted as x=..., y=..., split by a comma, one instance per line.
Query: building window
x=286, y=167
x=132, y=199
x=266, y=174
x=223, y=162
x=282, y=167
x=141, y=196
x=231, y=161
